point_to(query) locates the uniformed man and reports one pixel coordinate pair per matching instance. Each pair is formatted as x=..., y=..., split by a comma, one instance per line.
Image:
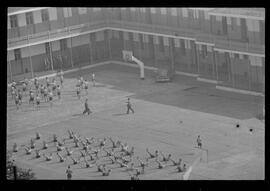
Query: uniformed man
x=86, y=107
x=129, y=106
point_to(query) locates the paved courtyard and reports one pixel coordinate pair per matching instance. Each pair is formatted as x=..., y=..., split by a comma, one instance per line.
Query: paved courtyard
x=168, y=117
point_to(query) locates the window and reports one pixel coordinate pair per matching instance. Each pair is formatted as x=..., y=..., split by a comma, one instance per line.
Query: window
x=44, y=15
x=29, y=18
x=176, y=43
x=182, y=42
x=163, y=11
x=161, y=44
x=47, y=48
x=67, y=12
x=174, y=12
x=143, y=10
x=13, y=21
x=153, y=10
x=141, y=41
x=63, y=44
x=233, y=23
x=206, y=15
x=236, y=55
x=245, y=57
x=96, y=9
x=185, y=12
x=196, y=13
x=17, y=54
x=204, y=51
x=82, y=10
x=145, y=38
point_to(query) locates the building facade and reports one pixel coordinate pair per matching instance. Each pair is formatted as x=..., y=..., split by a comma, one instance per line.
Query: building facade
x=218, y=45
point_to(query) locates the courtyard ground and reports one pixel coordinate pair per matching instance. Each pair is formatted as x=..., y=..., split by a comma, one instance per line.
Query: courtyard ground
x=168, y=117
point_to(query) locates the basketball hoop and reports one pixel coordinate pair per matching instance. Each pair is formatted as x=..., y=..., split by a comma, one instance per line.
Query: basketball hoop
x=127, y=55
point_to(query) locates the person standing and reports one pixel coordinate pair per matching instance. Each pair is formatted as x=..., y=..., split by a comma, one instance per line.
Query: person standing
x=86, y=87
x=69, y=173
x=50, y=97
x=78, y=91
x=17, y=101
x=199, y=142
x=24, y=87
x=93, y=80
x=62, y=78
x=58, y=91
x=129, y=106
x=38, y=101
x=86, y=107
x=20, y=96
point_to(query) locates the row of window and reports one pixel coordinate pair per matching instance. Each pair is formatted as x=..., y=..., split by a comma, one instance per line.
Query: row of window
x=29, y=18
x=251, y=25
x=63, y=46
x=45, y=16
x=203, y=49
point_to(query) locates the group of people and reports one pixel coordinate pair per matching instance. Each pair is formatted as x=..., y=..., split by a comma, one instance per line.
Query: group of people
x=37, y=91
x=93, y=151
x=83, y=84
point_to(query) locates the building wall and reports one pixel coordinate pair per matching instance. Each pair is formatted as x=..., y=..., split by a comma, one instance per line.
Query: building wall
x=162, y=52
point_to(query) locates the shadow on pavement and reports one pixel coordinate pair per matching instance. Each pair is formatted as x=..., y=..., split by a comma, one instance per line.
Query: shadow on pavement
x=119, y=114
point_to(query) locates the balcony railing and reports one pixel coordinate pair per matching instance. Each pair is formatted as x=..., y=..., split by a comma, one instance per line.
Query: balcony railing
x=55, y=34
x=219, y=41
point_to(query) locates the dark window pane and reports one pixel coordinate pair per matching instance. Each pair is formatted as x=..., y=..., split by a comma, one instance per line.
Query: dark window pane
x=17, y=54
x=29, y=18
x=13, y=21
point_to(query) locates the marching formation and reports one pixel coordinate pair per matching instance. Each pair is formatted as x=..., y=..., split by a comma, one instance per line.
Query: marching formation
x=103, y=154
x=37, y=91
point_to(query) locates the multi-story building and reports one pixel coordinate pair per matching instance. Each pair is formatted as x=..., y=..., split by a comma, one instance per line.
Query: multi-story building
x=225, y=46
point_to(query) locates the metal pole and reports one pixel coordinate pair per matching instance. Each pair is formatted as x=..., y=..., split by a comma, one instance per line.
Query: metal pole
x=213, y=72
x=198, y=57
x=215, y=57
x=91, y=51
x=249, y=88
x=50, y=51
x=10, y=69
x=171, y=46
x=232, y=70
x=31, y=64
x=109, y=41
x=71, y=55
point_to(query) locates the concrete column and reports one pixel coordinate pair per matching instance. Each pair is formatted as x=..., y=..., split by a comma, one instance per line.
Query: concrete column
x=10, y=70
x=71, y=53
x=216, y=64
x=232, y=70
x=91, y=51
x=249, y=85
x=198, y=57
x=50, y=51
x=31, y=64
x=109, y=43
x=171, y=45
x=30, y=58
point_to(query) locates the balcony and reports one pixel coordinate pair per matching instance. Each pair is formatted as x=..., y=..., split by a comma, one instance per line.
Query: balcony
x=57, y=34
x=75, y=30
